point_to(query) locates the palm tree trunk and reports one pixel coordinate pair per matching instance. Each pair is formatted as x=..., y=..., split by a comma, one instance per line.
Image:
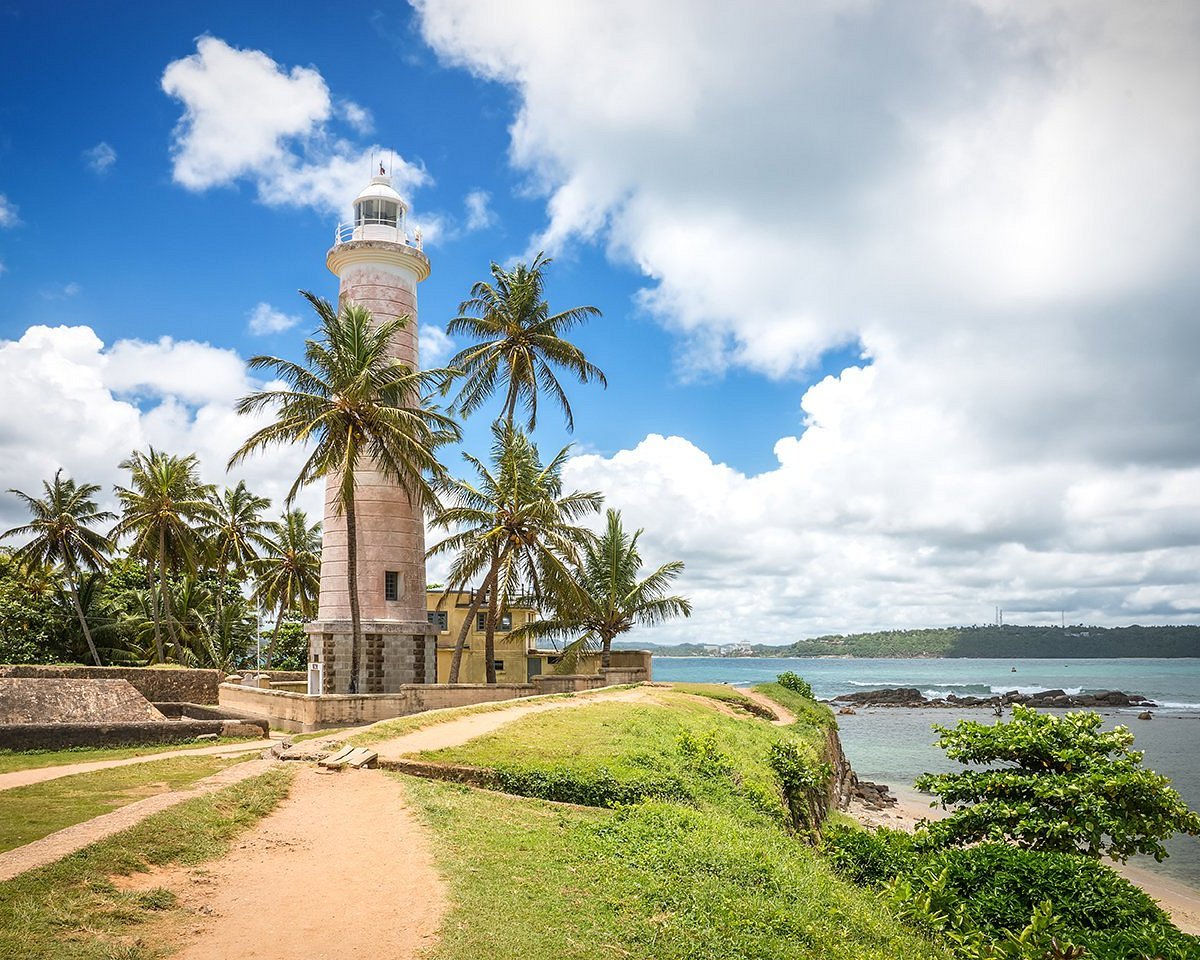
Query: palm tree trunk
x=159, y=651
x=87, y=633
x=605, y=651
x=275, y=636
x=489, y=640
x=352, y=584
x=168, y=613
x=456, y=663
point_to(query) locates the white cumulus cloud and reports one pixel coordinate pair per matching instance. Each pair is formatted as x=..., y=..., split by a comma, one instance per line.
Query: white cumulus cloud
x=68, y=400
x=995, y=203
x=247, y=117
x=479, y=213
x=8, y=212
x=265, y=319
x=101, y=158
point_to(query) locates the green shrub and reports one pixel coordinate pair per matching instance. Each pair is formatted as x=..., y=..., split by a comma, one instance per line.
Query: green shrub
x=999, y=902
x=868, y=857
x=701, y=753
x=1000, y=885
x=597, y=787
x=804, y=780
x=796, y=683
x=1063, y=784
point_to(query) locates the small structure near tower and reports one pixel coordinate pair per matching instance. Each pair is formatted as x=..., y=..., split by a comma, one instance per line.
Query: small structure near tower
x=379, y=267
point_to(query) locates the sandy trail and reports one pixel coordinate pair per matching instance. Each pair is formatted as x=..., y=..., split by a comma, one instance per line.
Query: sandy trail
x=1180, y=901
x=68, y=840
x=21, y=778
x=454, y=733
x=344, y=851
x=785, y=716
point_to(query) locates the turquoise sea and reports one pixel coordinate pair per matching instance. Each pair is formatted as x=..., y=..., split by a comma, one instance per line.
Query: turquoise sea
x=895, y=745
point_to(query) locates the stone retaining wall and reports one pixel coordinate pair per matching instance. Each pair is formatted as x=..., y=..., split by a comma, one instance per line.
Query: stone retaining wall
x=59, y=736
x=156, y=684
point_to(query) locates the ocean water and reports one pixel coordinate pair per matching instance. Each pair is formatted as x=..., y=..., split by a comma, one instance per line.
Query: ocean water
x=895, y=745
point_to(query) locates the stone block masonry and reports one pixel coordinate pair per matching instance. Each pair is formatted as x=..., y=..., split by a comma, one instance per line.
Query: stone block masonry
x=156, y=684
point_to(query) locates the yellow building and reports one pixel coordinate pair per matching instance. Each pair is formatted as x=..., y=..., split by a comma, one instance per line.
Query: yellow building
x=517, y=660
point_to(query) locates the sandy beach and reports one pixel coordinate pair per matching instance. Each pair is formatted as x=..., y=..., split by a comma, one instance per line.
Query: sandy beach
x=1179, y=900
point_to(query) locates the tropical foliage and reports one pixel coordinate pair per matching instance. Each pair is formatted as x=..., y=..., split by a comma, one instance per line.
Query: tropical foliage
x=519, y=344
x=354, y=405
x=1057, y=783
x=514, y=527
x=61, y=532
x=604, y=595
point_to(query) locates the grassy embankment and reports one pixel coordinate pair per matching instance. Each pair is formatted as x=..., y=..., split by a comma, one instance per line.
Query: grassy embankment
x=35, y=811
x=11, y=760
x=72, y=910
x=697, y=859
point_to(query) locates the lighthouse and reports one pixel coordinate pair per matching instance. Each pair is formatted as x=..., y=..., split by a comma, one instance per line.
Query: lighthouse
x=378, y=265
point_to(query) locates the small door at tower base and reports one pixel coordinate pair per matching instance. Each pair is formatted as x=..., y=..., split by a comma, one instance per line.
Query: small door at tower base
x=316, y=679
x=535, y=667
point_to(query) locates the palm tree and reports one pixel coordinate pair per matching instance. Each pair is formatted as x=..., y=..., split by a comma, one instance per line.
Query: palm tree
x=515, y=524
x=289, y=576
x=610, y=597
x=357, y=404
x=61, y=533
x=236, y=532
x=164, y=509
x=520, y=343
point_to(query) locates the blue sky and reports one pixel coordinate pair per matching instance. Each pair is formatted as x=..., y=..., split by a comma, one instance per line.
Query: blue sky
x=149, y=258
x=899, y=310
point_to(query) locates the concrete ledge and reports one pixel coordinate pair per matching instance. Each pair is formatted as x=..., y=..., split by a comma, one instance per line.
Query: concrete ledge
x=59, y=736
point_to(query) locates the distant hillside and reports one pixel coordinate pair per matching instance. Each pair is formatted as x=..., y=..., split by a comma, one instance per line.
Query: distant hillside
x=988, y=641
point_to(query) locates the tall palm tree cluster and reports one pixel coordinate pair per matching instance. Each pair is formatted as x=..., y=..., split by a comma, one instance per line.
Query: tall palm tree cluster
x=178, y=574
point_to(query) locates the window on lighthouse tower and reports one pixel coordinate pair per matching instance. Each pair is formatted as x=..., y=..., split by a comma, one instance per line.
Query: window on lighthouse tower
x=377, y=211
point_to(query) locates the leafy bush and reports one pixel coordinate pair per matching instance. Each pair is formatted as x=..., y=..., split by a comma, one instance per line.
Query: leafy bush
x=597, y=787
x=796, y=683
x=999, y=885
x=868, y=857
x=1066, y=786
x=701, y=753
x=804, y=780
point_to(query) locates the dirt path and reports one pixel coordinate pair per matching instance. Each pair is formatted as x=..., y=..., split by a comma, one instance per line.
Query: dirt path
x=785, y=716
x=68, y=840
x=454, y=733
x=21, y=778
x=341, y=868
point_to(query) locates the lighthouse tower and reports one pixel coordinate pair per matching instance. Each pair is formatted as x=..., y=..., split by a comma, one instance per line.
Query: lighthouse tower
x=379, y=266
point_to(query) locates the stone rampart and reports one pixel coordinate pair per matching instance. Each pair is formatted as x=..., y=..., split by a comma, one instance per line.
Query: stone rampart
x=60, y=736
x=156, y=684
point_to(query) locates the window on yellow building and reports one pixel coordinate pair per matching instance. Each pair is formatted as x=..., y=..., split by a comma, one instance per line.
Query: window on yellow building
x=499, y=665
x=502, y=624
x=439, y=619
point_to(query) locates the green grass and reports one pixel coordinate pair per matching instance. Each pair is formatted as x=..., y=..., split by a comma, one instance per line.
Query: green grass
x=654, y=881
x=12, y=760
x=390, y=729
x=816, y=715
x=608, y=753
x=725, y=694
x=32, y=812
x=71, y=910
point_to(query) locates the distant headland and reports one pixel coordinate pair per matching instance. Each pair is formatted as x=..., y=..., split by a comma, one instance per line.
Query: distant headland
x=1043, y=642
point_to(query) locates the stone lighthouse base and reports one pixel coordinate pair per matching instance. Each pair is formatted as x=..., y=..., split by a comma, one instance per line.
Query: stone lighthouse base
x=391, y=654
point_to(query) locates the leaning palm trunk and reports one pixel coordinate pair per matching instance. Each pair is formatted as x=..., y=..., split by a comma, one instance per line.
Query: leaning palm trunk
x=352, y=585
x=489, y=641
x=472, y=613
x=87, y=633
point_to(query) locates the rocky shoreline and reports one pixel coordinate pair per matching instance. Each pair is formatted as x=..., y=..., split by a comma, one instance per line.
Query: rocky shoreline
x=912, y=697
